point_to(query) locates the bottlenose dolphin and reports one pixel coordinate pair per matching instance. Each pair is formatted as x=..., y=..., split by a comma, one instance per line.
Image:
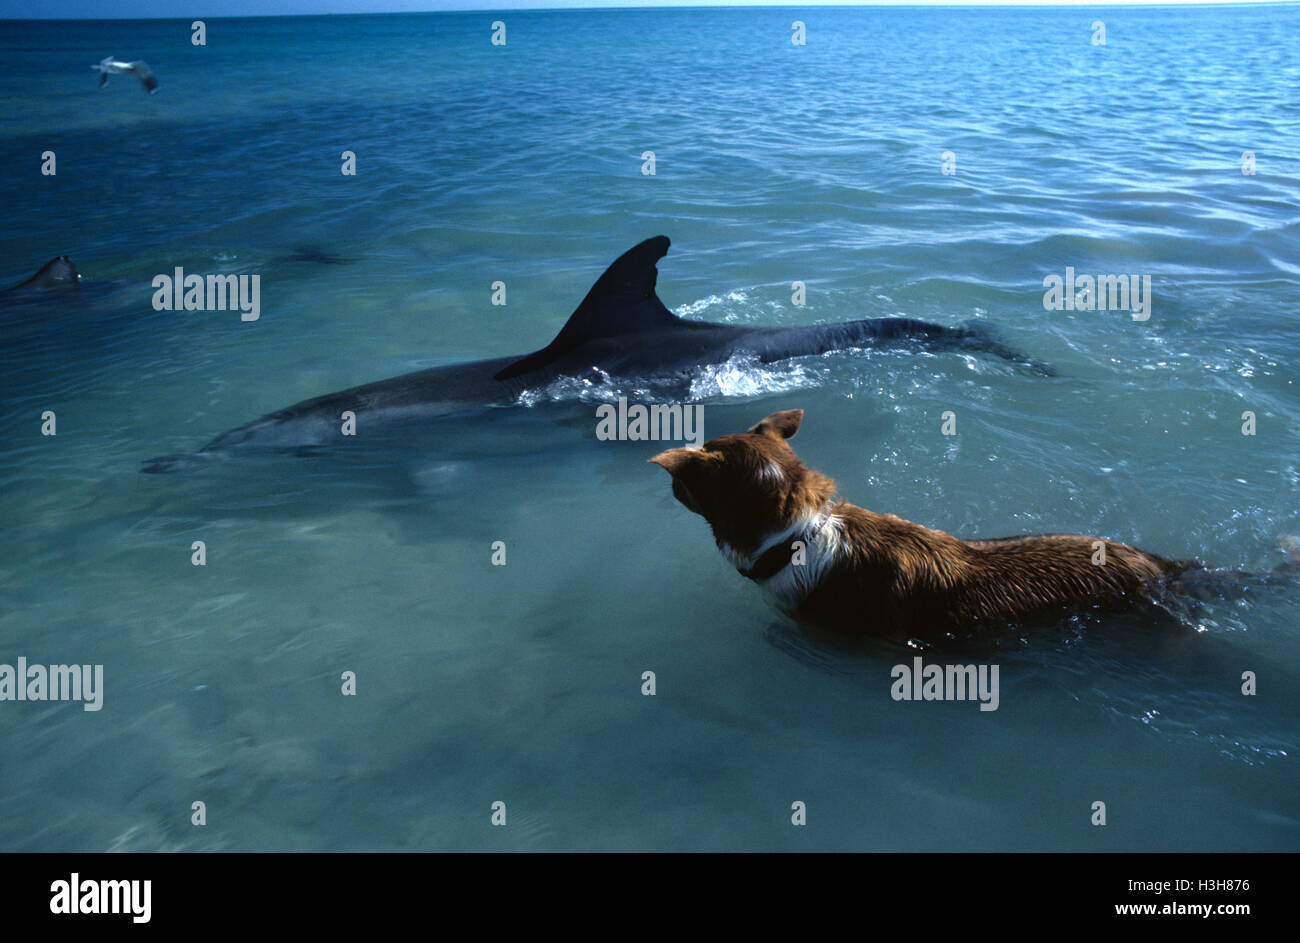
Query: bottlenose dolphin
x=53, y=275
x=110, y=66
x=621, y=329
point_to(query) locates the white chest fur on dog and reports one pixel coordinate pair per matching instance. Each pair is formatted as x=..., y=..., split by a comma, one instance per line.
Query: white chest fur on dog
x=821, y=536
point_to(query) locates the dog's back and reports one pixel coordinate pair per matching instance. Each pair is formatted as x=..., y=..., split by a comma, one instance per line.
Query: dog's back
x=898, y=578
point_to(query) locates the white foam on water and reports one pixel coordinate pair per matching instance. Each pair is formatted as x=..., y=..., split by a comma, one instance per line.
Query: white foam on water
x=741, y=377
x=594, y=386
x=731, y=305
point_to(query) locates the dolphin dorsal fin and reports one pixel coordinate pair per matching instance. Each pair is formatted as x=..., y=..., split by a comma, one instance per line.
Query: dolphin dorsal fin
x=623, y=301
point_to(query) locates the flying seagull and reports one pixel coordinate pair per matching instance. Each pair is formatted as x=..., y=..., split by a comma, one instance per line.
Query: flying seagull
x=141, y=71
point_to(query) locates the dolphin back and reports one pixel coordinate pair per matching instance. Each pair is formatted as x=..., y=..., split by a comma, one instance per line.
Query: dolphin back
x=975, y=336
x=623, y=301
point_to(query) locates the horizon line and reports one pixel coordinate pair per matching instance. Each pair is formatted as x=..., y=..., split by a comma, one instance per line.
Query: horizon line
x=580, y=6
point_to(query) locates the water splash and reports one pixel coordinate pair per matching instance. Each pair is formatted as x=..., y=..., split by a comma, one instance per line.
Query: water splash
x=741, y=377
x=732, y=306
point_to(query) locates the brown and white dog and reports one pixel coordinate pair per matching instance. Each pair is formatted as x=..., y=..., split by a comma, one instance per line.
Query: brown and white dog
x=854, y=571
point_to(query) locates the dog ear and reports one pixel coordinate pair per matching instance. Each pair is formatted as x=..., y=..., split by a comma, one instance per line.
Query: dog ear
x=674, y=460
x=780, y=425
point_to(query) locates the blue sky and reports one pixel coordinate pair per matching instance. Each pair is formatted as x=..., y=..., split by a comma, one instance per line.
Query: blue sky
x=112, y=9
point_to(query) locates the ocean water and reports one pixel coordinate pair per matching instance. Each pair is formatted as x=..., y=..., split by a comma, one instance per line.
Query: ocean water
x=521, y=683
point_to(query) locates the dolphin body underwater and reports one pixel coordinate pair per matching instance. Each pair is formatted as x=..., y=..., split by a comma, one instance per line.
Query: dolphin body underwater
x=621, y=329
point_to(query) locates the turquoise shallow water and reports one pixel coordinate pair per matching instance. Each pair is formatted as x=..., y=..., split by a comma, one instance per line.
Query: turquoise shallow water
x=521, y=683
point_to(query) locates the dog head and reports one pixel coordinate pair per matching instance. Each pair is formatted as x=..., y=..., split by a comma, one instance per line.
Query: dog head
x=750, y=485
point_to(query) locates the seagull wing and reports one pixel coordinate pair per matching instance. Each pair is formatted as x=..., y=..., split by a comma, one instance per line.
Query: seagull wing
x=145, y=76
x=103, y=78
